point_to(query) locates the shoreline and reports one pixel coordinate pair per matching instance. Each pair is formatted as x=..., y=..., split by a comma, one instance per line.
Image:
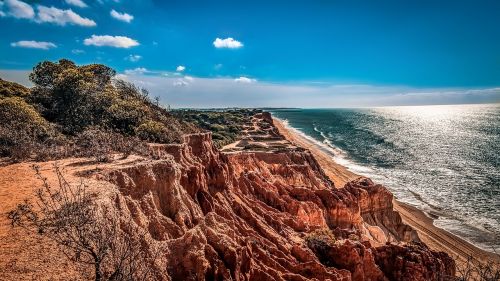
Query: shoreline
x=436, y=238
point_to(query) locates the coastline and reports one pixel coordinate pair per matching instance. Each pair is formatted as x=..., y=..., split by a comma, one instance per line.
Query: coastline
x=436, y=238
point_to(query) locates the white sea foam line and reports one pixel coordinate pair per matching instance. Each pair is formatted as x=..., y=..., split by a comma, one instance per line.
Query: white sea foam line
x=341, y=159
x=338, y=155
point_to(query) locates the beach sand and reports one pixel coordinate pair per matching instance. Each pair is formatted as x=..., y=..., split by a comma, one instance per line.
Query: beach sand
x=436, y=238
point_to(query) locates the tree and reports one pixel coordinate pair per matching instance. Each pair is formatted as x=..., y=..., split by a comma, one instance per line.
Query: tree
x=73, y=96
x=89, y=234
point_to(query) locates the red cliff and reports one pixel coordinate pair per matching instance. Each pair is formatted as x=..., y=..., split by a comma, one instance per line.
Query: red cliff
x=248, y=216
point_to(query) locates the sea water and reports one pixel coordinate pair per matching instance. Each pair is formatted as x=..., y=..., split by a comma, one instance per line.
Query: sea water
x=444, y=160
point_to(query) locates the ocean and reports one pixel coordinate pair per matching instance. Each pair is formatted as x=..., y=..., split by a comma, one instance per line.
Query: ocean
x=444, y=160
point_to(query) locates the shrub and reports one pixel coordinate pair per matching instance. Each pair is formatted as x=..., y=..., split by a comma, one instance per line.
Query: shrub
x=93, y=236
x=100, y=144
x=11, y=89
x=320, y=238
x=152, y=131
x=321, y=242
x=22, y=129
x=475, y=270
x=72, y=106
x=16, y=113
x=125, y=115
x=95, y=142
x=73, y=96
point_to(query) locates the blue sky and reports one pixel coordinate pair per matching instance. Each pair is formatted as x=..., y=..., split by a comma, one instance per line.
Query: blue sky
x=378, y=50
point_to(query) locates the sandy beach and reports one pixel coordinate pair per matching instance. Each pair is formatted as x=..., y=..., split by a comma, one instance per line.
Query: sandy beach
x=436, y=238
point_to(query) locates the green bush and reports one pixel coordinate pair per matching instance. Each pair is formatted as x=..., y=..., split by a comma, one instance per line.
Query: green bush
x=15, y=112
x=152, y=131
x=73, y=96
x=73, y=108
x=125, y=115
x=226, y=125
x=11, y=89
x=22, y=128
x=320, y=239
x=321, y=242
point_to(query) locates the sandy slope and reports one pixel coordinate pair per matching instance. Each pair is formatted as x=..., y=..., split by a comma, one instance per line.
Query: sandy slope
x=434, y=237
x=25, y=255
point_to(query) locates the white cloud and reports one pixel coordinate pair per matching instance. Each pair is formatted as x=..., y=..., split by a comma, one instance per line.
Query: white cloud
x=180, y=68
x=77, y=51
x=110, y=41
x=102, y=2
x=61, y=17
x=137, y=71
x=227, y=43
x=34, y=44
x=77, y=3
x=245, y=80
x=224, y=92
x=121, y=16
x=133, y=58
x=180, y=83
x=18, y=9
x=121, y=76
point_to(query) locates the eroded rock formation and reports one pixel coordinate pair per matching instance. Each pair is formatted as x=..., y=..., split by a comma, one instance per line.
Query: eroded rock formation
x=246, y=216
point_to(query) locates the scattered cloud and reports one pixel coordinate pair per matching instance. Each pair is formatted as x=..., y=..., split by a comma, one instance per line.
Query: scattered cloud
x=220, y=92
x=110, y=41
x=121, y=76
x=133, y=58
x=227, y=43
x=121, y=16
x=180, y=83
x=137, y=71
x=33, y=44
x=61, y=17
x=77, y=51
x=244, y=80
x=77, y=3
x=180, y=68
x=102, y=2
x=17, y=9
x=153, y=73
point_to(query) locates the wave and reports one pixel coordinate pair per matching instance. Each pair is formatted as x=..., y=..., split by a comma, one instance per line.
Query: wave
x=476, y=230
x=338, y=155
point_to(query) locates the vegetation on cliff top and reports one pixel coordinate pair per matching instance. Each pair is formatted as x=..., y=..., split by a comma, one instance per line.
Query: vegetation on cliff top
x=85, y=111
x=226, y=125
x=69, y=102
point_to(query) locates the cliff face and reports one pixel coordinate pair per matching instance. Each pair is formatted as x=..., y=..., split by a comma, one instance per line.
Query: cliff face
x=247, y=216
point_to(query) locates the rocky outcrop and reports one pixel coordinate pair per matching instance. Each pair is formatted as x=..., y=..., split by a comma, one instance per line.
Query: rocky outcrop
x=414, y=262
x=375, y=203
x=246, y=216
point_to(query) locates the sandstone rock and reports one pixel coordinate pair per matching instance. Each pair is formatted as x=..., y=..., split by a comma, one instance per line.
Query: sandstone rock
x=414, y=262
x=244, y=216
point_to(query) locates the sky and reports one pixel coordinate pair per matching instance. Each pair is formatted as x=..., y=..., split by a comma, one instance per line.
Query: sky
x=269, y=53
